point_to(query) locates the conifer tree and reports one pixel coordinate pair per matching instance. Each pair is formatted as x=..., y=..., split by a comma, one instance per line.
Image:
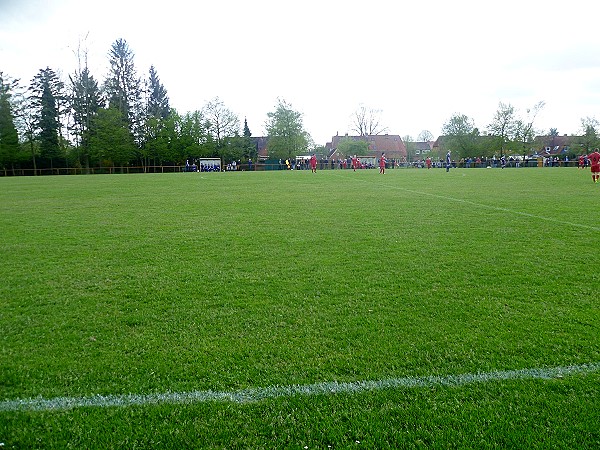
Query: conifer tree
x=46, y=91
x=85, y=100
x=123, y=88
x=9, y=137
x=158, y=100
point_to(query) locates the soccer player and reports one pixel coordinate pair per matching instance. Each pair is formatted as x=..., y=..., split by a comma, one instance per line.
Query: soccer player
x=382, y=163
x=581, y=161
x=428, y=162
x=594, y=159
x=313, y=163
x=448, y=161
x=354, y=163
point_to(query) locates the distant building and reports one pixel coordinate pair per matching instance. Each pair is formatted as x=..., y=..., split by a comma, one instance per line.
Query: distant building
x=261, y=145
x=422, y=147
x=558, y=145
x=390, y=144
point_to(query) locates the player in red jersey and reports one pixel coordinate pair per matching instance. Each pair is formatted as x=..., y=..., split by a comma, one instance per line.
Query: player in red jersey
x=594, y=159
x=382, y=162
x=313, y=163
x=354, y=163
x=581, y=161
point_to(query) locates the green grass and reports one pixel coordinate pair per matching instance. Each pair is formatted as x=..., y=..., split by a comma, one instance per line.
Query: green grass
x=118, y=284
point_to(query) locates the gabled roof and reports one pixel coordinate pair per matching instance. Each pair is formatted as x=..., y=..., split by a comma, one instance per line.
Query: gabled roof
x=555, y=145
x=390, y=144
x=423, y=146
x=261, y=144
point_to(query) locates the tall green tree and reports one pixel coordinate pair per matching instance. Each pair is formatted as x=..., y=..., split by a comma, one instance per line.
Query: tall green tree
x=9, y=136
x=504, y=125
x=348, y=147
x=250, y=150
x=157, y=111
x=590, y=138
x=194, y=139
x=111, y=142
x=158, y=99
x=85, y=100
x=46, y=94
x=287, y=137
x=48, y=125
x=460, y=136
x=123, y=88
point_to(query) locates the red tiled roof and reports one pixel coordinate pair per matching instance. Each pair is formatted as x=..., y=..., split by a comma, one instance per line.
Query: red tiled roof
x=391, y=144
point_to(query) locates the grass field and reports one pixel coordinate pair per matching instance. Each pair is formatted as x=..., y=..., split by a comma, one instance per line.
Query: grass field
x=222, y=310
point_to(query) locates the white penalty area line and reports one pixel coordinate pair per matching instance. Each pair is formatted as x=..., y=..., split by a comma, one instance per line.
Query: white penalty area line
x=259, y=394
x=507, y=210
x=492, y=207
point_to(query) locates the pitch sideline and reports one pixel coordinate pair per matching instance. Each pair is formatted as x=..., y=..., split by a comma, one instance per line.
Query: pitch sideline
x=259, y=394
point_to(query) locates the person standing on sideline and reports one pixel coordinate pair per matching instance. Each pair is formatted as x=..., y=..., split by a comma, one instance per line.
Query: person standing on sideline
x=313, y=163
x=594, y=159
x=382, y=163
x=448, y=161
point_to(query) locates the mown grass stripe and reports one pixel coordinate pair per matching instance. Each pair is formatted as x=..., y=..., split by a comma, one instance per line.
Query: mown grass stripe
x=258, y=394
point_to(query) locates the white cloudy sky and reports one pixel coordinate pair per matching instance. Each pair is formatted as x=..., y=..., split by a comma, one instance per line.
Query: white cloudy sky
x=418, y=62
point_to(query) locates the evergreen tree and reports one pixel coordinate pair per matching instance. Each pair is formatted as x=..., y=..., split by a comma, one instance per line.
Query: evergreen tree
x=249, y=148
x=9, y=137
x=156, y=114
x=48, y=125
x=123, y=88
x=85, y=100
x=46, y=93
x=247, y=133
x=158, y=100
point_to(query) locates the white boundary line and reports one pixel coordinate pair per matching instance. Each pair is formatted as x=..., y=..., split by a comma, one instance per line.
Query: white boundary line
x=259, y=394
x=483, y=205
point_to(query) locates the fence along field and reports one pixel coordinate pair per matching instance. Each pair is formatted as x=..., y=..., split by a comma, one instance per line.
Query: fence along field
x=308, y=284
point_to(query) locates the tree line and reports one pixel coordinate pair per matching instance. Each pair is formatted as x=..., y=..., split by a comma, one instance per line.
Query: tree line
x=125, y=120
x=510, y=133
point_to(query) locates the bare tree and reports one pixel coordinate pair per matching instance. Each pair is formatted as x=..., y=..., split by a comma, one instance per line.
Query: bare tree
x=367, y=121
x=223, y=123
x=524, y=130
x=425, y=136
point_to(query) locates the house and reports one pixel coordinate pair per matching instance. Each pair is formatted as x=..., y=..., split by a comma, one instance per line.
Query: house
x=261, y=145
x=557, y=145
x=390, y=144
x=422, y=148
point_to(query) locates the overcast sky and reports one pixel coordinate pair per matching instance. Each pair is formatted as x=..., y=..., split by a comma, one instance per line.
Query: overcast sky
x=419, y=62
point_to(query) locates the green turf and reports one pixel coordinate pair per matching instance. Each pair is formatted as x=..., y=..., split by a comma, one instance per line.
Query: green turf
x=118, y=284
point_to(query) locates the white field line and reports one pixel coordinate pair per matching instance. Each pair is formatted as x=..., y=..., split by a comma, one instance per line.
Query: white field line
x=259, y=394
x=508, y=210
x=495, y=208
